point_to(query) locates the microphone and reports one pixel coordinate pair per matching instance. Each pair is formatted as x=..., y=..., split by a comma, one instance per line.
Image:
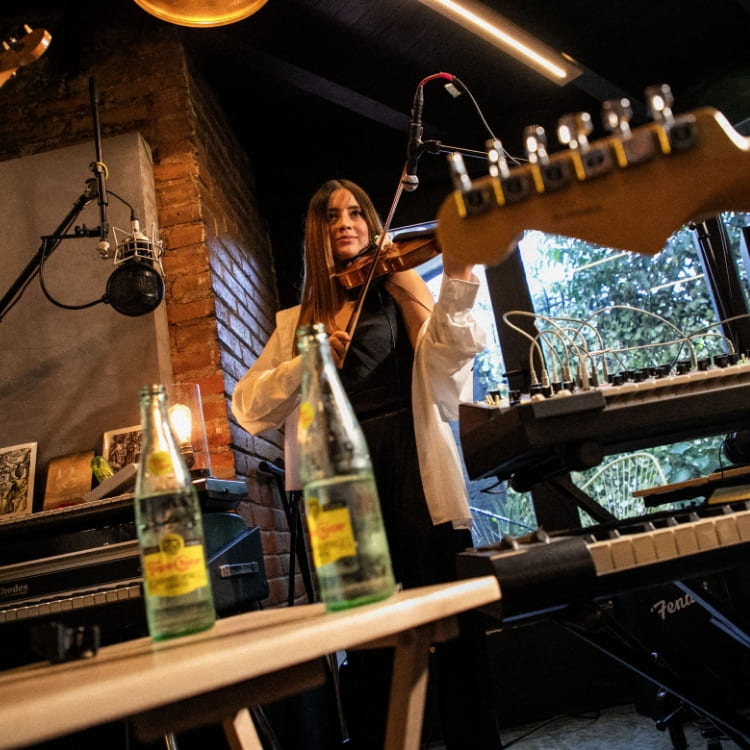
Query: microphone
x=136, y=286
x=410, y=181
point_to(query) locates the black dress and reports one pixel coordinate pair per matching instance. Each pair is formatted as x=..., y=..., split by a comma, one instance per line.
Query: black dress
x=377, y=377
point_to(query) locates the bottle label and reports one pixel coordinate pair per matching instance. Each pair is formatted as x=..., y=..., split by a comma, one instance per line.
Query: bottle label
x=331, y=533
x=306, y=414
x=159, y=463
x=175, y=569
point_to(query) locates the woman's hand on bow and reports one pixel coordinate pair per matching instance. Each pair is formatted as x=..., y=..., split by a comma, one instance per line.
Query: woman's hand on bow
x=339, y=342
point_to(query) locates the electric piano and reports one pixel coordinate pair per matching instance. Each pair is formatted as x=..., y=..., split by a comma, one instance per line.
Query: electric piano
x=78, y=568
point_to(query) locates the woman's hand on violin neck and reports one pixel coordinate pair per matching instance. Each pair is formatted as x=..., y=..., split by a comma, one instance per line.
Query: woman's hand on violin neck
x=339, y=342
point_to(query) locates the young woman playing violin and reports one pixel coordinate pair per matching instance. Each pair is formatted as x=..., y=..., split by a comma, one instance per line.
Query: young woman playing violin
x=405, y=368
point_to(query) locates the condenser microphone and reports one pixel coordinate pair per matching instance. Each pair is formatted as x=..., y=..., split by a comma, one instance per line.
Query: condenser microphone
x=136, y=286
x=410, y=180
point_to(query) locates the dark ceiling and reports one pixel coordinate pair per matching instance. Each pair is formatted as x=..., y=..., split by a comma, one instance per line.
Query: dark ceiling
x=323, y=88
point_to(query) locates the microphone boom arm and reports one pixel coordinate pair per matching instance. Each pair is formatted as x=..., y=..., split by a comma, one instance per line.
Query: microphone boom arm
x=436, y=147
x=46, y=249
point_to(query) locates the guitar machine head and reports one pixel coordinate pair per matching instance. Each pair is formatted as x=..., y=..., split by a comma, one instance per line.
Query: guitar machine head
x=629, y=190
x=19, y=52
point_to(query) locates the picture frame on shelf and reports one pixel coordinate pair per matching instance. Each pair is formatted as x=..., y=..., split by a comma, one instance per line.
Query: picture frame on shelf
x=122, y=447
x=68, y=480
x=17, y=467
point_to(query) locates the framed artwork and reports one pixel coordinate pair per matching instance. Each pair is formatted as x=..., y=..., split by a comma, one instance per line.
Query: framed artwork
x=122, y=447
x=68, y=480
x=17, y=466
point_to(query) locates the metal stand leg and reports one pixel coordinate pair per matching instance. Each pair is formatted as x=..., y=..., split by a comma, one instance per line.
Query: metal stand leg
x=592, y=625
x=297, y=549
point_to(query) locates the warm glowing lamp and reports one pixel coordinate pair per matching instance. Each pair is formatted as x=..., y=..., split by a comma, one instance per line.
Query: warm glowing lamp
x=201, y=12
x=189, y=427
x=182, y=424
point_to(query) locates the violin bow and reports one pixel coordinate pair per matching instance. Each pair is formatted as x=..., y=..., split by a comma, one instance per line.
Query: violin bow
x=354, y=319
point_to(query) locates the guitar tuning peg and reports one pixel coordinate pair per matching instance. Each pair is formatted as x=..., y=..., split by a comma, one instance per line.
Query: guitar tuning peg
x=496, y=158
x=535, y=144
x=616, y=116
x=459, y=175
x=660, y=100
x=573, y=130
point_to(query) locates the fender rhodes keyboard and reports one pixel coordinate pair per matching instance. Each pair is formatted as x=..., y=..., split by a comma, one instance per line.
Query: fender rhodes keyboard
x=80, y=566
x=544, y=573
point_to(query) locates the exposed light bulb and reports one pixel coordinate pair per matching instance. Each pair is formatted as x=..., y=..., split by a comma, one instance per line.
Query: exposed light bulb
x=182, y=423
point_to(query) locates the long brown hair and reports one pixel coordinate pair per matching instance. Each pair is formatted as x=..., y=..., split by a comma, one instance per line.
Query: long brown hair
x=322, y=295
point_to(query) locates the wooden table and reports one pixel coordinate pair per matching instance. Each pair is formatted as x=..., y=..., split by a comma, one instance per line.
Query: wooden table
x=244, y=660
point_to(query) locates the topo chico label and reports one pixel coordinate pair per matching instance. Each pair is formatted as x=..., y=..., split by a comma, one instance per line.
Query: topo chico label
x=331, y=534
x=174, y=570
x=306, y=415
x=159, y=463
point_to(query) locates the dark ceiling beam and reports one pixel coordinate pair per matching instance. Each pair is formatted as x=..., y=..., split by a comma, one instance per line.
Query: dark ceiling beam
x=303, y=80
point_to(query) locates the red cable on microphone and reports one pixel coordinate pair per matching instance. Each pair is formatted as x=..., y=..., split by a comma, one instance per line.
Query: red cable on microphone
x=447, y=76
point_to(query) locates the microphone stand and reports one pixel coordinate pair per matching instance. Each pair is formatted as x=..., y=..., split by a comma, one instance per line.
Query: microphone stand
x=98, y=167
x=95, y=188
x=50, y=243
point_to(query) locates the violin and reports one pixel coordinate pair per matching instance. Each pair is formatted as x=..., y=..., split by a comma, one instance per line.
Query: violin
x=409, y=251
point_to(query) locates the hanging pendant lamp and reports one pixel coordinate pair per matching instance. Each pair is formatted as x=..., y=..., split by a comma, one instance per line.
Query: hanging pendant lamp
x=201, y=12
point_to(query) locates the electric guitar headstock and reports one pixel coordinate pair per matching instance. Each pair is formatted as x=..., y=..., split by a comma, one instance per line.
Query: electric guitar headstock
x=630, y=190
x=19, y=52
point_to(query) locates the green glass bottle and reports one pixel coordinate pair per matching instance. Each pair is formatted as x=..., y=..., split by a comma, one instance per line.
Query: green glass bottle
x=177, y=588
x=347, y=537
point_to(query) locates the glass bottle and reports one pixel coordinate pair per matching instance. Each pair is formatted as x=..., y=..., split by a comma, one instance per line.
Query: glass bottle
x=177, y=588
x=347, y=536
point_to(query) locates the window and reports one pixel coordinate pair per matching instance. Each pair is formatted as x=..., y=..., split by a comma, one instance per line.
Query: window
x=630, y=311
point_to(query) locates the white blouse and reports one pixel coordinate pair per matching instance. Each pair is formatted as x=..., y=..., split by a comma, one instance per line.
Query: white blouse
x=269, y=393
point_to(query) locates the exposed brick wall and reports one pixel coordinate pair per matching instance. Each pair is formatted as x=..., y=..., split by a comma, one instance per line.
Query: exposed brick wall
x=220, y=282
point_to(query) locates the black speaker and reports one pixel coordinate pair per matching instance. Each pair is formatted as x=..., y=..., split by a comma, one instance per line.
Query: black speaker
x=234, y=558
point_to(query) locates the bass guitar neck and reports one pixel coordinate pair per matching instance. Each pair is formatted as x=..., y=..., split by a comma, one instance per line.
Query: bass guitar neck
x=19, y=52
